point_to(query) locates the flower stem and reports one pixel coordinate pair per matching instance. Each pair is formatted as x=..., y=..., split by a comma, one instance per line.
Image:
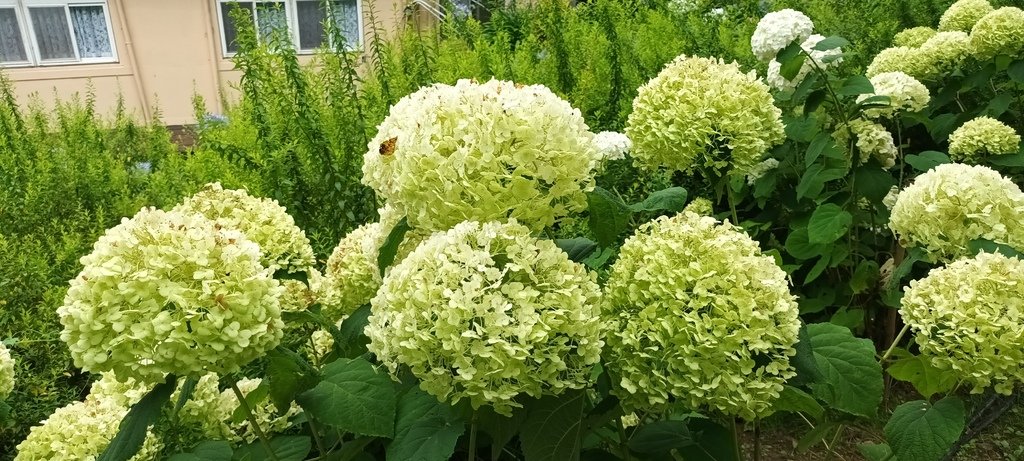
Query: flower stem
x=623, y=440
x=472, y=438
x=736, y=439
x=757, y=440
x=252, y=420
x=892, y=347
x=316, y=435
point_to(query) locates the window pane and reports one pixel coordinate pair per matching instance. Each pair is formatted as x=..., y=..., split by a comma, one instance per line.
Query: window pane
x=90, y=26
x=53, y=36
x=230, y=30
x=271, y=17
x=12, y=48
x=346, y=16
x=311, y=24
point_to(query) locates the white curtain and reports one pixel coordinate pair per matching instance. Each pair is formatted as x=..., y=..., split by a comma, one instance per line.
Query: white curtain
x=12, y=48
x=90, y=25
x=53, y=36
x=346, y=16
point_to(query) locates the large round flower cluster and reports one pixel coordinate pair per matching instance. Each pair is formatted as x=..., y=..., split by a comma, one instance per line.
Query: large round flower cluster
x=963, y=14
x=6, y=372
x=80, y=431
x=697, y=315
x=941, y=53
x=777, y=30
x=482, y=151
x=953, y=204
x=967, y=317
x=283, y=244
x=873, y=140
x=905, y=93
x=612, y=145
x=703, y=114
x=913, y=37
x=1000, y=32
x=982, y=136
x=123, y=393
x=488, y=313
x=822, y=58
x=169, y=292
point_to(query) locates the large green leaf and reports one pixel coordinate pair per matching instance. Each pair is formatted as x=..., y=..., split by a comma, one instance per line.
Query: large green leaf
x=553, y=428
x=502, y=429
x=813, y=181
x=806, y=365
x=285, y=447
x=206, y=451
x=798, y=244
x=353, y=397
x=578, y=248
x=609, y=216
x=920, y=372
x=791, y=59
x=828, y=223
x=287, y=375
x=921, y=431
x=389, y=249
x=794, y=400
x=855, y=85
x=132, y=431
x=822, y=145
x=714, y=442
x=425, y=429
x=672, y=199
x=830, y=43
x=926, y=160
x=851, y=377
x=876, y=452
x=661, y=437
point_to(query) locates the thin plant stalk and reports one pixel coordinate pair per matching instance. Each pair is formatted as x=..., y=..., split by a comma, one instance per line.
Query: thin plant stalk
x=264, y=440
x=472, y=438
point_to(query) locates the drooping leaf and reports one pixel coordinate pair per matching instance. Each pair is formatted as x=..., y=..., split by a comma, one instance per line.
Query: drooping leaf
x=501, y=428
x=817, y=269
x=927, y=160
x=794, y=400
x=872, y=182
x=919, y=372
x=921, y=431
x=864, y=277
x=351, y=341
x=661, y=437
x=353, y=397
x=791, y=59
x=285, y=447
x=553, y=427
x=672, y=200
x=287, y=375
x=425, y=429
x=813, y=181
x=851, y=377
x=714, y=442
x=982, y=245
x=856, y=85
x=1016, y=71
x=609, y=216
x=815, y=436
x=1011, y=160
x=876, y=452
x=799, y=245
x=388, y=251
x=828, y=223
x=578, y=248
x=216, y=450
x=131, y=433
x=806, y=365
x=829, y=43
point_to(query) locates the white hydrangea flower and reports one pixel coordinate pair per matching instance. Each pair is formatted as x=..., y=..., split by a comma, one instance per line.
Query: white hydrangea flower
x=873, y=140
x=683, y=7
x=760, y=169
x=171, y=293
x=124, y=393
x=612, y=145
x=777, y=30
x=905, y=94
x=775, y=79
x=980, y=137
x=6, y=372
x=80, y=431
x=212, y=411
x=963, y=15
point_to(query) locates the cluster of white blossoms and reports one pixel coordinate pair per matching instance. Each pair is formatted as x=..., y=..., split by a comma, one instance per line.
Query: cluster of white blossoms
x=80, y=431
x=967, y=319
x=212, y=412
x=697, y=316
x=963, y=15
x=701, y=114
x=761, y=169
x=124, y=393
x=482, y=151
x=777, y=30
x=171, y=293
x=612, y=145
x=874, y=141
x=953, y=204
x=486, y=312
x=6, y=372
x=940, y=53
x=1000, y=32
x=822, y=58
x=913, y=37
x=905, y=93
x=981, y=137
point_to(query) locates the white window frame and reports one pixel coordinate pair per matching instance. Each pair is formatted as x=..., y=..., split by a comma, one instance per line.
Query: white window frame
x=291, y=17
x=28, y=33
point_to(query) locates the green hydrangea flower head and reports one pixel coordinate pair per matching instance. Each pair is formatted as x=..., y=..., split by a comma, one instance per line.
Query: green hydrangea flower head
x=980, y=137
x=488, y=313
x=171, y=293
x=905, y=93
x=874, y=141
x=703, y=114
x=962, y=15
x=697, y=316
x=6, y=372
x=262, y=220
x=893, y=59
x=913, y=37
x=482, y=151
x=941, y=54
x=967, y=319
x=701, y=206
x=123, y=393
x=946, y=208
x=80, y=431
x=1000, y=32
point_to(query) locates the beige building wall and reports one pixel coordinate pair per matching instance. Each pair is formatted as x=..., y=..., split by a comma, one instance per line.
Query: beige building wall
x=167, y=50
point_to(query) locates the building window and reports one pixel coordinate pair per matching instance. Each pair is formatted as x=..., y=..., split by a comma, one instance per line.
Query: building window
x=303, y=19
x=42, y=32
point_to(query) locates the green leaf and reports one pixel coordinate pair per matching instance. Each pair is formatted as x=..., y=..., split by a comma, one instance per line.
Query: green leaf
x=799, y=245
x=553, y=428
x=998, y=105
x=804, y=361
x=1016, y=71
x=350, y=340
x=608, y=215
x=921, y=431
x=389, y=249
x=982, y=245
x=1013, y=160
x=876, y=452
x=816, y=147
x=815, y=436
x=789, y=52
x=864, y=277
x=425, y=429
x=214, y=450
x=828, y=223
x=253, y=399
x=802, y=129
x=501, y=428
x=287, y=375
x=813, y=181
x=814, y=100
x=791, y=68
x=927, y=160
x=849, y=318
x=353, y=397
x=578, y=248
x=872, y=182
x=817, y=269
x=794, y=400
x=672, y=199
x=851, y=377
x=714, y=441
x=132, y=430
x=920, y=372
x=855, y=85
x=660, y=437
x=285, y=274
x=830, y=43
x=285, y=447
